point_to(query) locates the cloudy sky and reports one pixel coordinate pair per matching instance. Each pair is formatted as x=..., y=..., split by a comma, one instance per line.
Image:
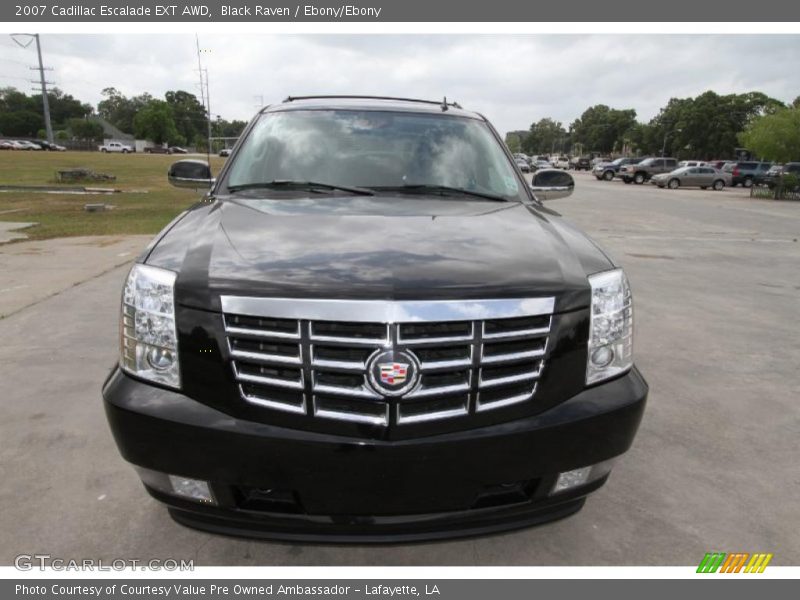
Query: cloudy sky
x=513, y=79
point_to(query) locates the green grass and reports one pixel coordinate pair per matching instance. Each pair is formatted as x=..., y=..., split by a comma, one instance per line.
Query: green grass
x=147, y=204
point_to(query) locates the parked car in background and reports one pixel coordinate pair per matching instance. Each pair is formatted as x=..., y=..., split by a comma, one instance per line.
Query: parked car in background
x=745, y=172
x=776, y=173
x=768, y=176
x=156, y=150
x=28, y=145
x=717, y=164
x=115, y=147
x=541, y=164
x=45, y=145
x=643, y=171
x=607, y=171
x=13, y=145
x=583, y=163
x=702, y=177
x=561, y=162
x=225, y=152
x=178, y=150
x=692, y=163
x=598, y=160
x=523, y=165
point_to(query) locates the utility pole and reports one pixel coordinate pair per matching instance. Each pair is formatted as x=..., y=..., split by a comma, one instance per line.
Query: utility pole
x=45, y=102
x=208, y=103
x=203, y=89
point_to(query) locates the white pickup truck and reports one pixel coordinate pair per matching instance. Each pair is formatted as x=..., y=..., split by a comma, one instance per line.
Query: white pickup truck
x=115, y=147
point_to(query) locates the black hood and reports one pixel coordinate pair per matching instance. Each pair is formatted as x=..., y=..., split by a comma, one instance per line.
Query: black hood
x=376, y=248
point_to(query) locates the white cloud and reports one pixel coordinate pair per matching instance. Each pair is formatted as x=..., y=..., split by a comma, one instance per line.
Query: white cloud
x=512, y=79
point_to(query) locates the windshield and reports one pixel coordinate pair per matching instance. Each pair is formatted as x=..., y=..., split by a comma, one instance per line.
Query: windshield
x=374, y=150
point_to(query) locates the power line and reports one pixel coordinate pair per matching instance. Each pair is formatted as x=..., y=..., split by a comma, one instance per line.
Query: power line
x=19, y=62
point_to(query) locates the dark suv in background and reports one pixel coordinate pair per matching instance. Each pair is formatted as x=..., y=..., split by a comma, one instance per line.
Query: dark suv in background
x=607, y=170
x=371, y=329
x=745, y=173
x=642, y=171
x=582, y=163
x=777, y=173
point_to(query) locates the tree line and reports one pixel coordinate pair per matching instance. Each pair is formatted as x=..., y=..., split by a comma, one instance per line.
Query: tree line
x=21, y=115
x=178, y=119
x=703, y=127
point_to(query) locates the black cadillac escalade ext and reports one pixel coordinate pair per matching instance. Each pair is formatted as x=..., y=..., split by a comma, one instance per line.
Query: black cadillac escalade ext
x=369, y=329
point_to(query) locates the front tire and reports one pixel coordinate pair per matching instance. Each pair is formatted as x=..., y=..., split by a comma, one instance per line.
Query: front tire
x=718, y=185
x=608, y=175
x=638, y=179
x=748, y=182
x=674, y=184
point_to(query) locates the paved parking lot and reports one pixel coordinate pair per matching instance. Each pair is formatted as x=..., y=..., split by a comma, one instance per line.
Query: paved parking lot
x=716, y=279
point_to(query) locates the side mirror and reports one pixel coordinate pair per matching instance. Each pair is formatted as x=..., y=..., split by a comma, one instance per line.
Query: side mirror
x=552, y=184
x=192, y=174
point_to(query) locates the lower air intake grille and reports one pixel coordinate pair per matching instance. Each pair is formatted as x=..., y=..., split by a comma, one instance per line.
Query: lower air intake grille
x=387, y=363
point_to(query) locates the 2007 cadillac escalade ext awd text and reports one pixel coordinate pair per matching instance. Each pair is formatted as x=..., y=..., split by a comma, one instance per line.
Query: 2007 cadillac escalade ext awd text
x=371, y=328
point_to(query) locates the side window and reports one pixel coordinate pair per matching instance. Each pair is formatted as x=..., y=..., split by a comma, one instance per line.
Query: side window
x=671, y=163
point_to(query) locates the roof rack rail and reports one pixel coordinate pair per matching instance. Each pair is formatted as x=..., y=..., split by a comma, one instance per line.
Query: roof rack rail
x=444, y=104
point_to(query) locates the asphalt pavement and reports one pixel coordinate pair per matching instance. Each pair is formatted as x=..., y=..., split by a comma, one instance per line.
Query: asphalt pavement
x=716, y=281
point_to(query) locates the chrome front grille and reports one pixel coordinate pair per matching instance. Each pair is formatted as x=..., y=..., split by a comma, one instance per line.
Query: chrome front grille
x=311, y=357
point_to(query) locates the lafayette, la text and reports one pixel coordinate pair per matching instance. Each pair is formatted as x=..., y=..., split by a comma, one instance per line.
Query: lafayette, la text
x=191, y=589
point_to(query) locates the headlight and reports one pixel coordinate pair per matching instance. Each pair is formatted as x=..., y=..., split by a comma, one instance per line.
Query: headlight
x=148, y=342
x=610, y=350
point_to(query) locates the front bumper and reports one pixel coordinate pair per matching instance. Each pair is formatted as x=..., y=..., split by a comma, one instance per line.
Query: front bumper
x=337, y=488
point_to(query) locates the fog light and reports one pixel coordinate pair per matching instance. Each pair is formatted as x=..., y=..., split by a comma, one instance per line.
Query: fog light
x=195, y=489
x=602, y=357
x=571, y=479
x=568, y=480
x=176, y=485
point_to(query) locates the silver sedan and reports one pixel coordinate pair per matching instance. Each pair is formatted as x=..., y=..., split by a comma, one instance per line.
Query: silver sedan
x=702, y=177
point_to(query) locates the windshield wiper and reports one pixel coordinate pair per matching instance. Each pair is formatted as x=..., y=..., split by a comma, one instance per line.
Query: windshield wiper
x=290, y=183
x=423, y=188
